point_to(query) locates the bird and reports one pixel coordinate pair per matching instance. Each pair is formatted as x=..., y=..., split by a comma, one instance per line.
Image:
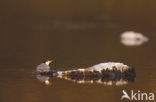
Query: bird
x=44, y=67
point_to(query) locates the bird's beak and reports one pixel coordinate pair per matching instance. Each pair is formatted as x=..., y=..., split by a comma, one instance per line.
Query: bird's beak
x=49, y=61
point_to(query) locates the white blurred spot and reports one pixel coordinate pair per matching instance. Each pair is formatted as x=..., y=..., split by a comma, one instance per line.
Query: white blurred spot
x=131, y=38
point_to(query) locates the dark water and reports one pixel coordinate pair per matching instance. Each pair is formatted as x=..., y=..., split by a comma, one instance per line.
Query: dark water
x=74, y=34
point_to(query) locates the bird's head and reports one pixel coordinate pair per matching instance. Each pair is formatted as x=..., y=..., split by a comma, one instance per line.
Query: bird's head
x=47, y=62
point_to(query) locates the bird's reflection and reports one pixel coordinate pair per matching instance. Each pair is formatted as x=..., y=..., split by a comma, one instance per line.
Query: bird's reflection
x=44, y=79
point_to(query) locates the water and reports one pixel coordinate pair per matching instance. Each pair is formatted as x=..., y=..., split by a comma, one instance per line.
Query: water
x=74, y=34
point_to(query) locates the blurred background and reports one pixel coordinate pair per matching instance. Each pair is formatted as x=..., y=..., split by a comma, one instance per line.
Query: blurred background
x=74, y=34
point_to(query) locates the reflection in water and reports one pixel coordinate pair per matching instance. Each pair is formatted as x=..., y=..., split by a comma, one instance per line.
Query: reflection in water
x=90, y=80
x=110, y=73
x=132, y=38
x=44, y=79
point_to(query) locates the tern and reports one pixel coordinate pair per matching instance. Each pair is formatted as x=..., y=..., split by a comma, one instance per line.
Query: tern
x=44, y=67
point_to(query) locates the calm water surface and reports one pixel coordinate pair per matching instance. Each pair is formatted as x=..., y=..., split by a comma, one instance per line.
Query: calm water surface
x=74, y=34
